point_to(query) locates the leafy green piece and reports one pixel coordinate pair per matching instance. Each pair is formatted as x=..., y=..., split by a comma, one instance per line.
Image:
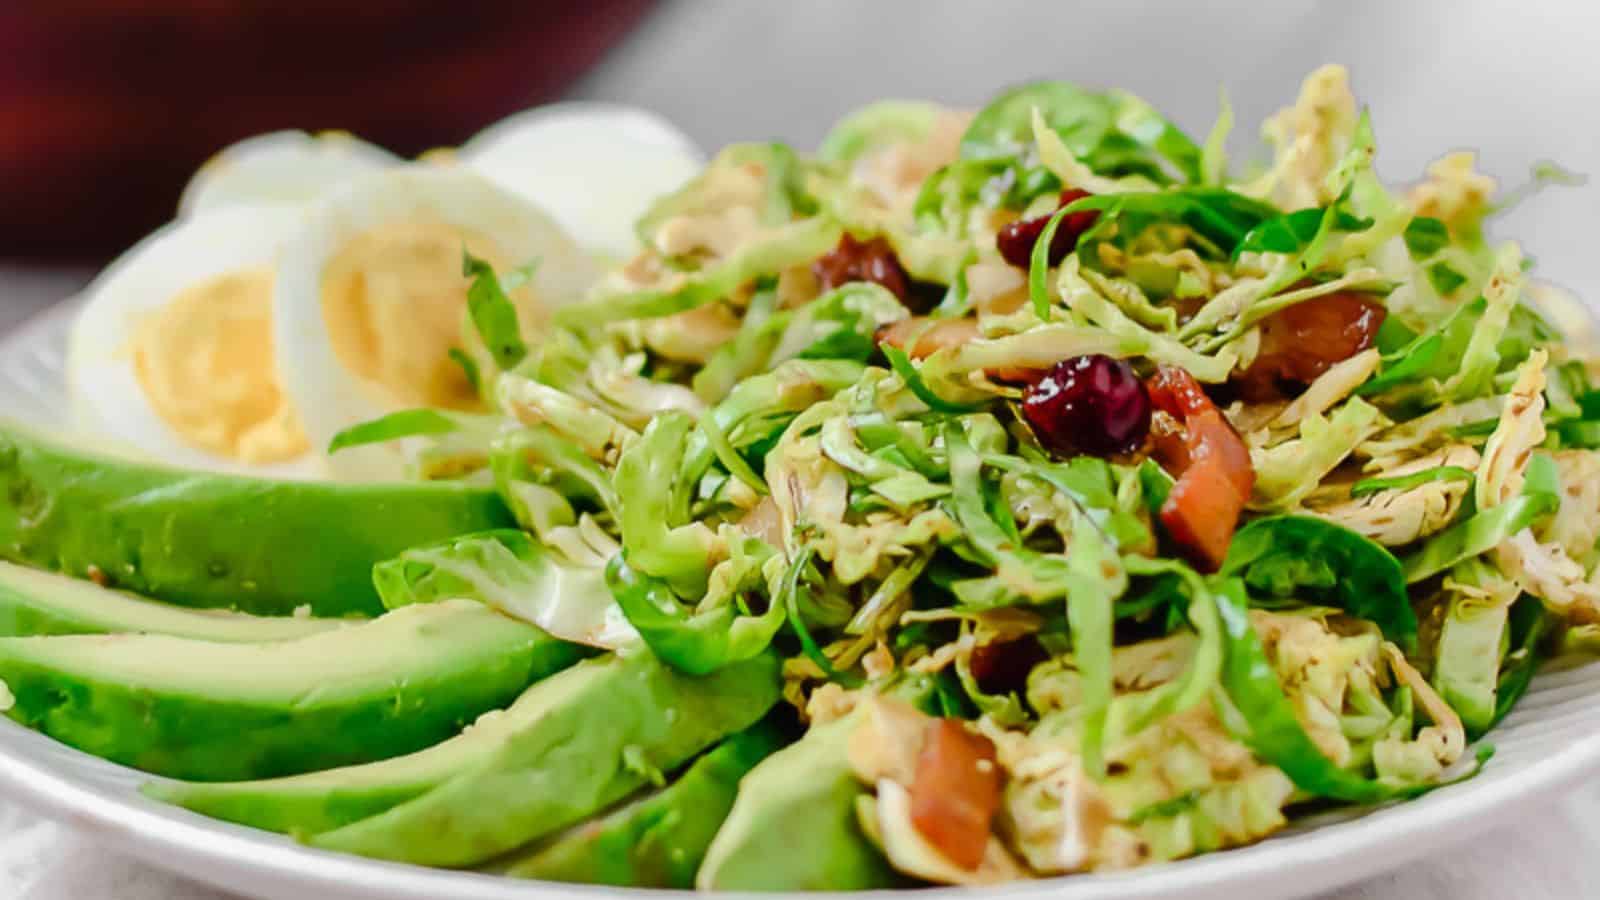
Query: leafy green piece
x=1151, y=130
x=902, y=366
x=658, y=535
x=1466, y=659
x=1088, y=482
x=1426, y=236
x=1530, y=624
x=1444, y=278
x=1287, y=473
x=1214, y=152
x=1221, y=217
x=1263, y=718
x=786, y=603
x=784, y=193
x=1486, y=529
x=469, y=368
x=797, y=242
x=1434, y=355
x=696, y=642
x=1132, y=712
x=728, y=455
x=1315, y=561
x=542, y=474
x=1293, y=232
x=492, y=312
x=1004, y=128
x=509, y=571
x=1541, y=174
x=878, y=124
x=1039, y=265
x=395, y=425
x=1406, y=482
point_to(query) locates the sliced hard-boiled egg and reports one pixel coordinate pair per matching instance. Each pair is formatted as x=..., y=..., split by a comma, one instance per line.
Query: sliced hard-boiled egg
x=370, y=298
x=282, y=167
x=595, y=166
x=172, y=355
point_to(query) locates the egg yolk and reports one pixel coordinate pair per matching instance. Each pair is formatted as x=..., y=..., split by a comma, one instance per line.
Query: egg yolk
x=205, y=362
x=394, y=301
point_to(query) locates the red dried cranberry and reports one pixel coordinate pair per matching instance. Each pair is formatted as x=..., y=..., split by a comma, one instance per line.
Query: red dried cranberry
x=1002, y=667
x=1302, y=341
x=1015, y=241
x=854, y=260
x=1088, y=404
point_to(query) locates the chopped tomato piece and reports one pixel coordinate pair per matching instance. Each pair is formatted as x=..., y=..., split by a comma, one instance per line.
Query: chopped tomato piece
x=1210, y=461
x=956, y=792
x=1303, y=341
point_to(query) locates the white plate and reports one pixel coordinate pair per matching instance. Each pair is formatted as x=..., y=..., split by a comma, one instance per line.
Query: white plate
x=1551, y=740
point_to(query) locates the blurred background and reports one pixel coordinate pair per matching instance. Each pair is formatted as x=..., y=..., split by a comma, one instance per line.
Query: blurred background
x=107, y=106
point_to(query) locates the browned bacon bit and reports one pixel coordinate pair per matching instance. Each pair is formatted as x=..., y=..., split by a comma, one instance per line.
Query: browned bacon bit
x=854, y=260
x=1015, y=241
x=1002, y=667
x=921, y=337
x=1195, y=443
x=1302, y=341
x=956, y=792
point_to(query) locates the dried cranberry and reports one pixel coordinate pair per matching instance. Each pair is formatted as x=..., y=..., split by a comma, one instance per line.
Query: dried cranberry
x=1088, y=404
x=1002, y=667
x=1302, y=341
x=1015, y=241
x=854, y=260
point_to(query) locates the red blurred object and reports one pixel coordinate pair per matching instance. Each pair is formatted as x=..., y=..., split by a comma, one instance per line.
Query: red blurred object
x=854, y=260
x=107, y=107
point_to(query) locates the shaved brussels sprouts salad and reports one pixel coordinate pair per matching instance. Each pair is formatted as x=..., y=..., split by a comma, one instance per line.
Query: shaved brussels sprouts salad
x=983, y=496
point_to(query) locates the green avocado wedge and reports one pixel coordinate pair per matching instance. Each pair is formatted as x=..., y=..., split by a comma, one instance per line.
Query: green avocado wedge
x=209, y=540
x=659, y=840
x=322, y=801
x=210, y=711
x=793, y=826
x=34, y=602
x=611, y=726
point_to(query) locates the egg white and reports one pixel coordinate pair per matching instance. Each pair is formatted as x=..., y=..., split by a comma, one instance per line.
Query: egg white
x=330, y=397
x=108, y=402
x=281, y=167
x=595, y=166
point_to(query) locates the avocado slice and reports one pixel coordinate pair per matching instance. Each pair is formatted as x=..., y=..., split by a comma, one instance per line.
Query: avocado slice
x=793, y=826
x=33, y=602
x=211, y=540
x=611, y=725
x=206, y=711
x=657, y=841
x=322, y=801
